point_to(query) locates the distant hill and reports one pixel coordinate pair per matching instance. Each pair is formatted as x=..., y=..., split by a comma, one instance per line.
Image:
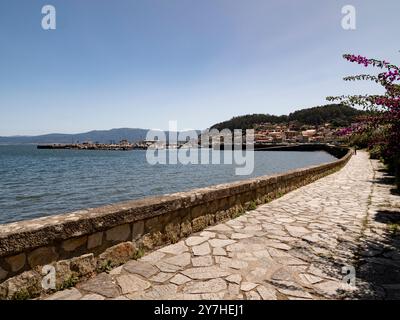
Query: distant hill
x=101, y=136
x=336, y=114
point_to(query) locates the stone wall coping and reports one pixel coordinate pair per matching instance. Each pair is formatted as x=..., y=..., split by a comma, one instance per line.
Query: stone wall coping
x=22, y=235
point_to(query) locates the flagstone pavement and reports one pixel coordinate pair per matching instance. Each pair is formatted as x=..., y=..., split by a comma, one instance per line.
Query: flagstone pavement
x=307, y=244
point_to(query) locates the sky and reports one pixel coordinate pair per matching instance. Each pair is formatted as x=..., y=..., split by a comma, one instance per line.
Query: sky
x=141, y=63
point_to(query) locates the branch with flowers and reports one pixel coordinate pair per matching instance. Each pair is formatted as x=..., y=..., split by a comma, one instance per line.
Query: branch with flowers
x=382, y=124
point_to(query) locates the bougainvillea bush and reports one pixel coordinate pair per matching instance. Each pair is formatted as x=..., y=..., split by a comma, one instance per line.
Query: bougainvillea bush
x=381, y=126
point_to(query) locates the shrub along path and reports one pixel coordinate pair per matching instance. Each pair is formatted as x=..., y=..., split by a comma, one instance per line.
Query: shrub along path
x=292, y=248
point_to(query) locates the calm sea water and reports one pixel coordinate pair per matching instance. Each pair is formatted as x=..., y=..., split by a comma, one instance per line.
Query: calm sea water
x=36, y=183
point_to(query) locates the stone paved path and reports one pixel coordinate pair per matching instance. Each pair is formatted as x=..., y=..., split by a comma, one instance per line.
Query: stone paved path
x=292, y=248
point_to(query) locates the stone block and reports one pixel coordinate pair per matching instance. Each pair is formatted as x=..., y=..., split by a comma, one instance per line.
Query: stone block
x=137, y=230
x=84, y=265
x=119, y=233
x=141, y=268
x=199, y=224
x=223, y=204
x=42, y=256
x=103, y=284
x=24, y=286
x=232, y=201
x=3, y=274
x=149, y=241
x=221, y=215
x=95, y=240
x=132, y=283
x=186, y=228
x=3, y=291
x=172, y=231
x=63, y=272
x=16, y=262
x=152, y=224
x=117, y=255
x=197, y=211
x=210, y=219
x=74, y=243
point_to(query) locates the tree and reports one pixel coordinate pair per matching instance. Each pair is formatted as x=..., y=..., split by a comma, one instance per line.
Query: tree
x=382, y=124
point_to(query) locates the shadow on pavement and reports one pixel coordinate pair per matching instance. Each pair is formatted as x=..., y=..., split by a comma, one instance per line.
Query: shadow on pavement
x=378, y=267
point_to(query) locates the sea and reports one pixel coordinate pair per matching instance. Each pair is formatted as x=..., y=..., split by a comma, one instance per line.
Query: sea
x=38, y=182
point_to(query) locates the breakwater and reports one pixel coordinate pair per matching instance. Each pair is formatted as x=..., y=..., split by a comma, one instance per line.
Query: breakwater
x=87, y=146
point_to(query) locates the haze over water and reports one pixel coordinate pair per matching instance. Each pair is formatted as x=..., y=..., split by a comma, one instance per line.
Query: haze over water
x=36, y=183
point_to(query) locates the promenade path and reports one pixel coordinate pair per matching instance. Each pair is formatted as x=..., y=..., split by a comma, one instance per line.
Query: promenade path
x=291, y=248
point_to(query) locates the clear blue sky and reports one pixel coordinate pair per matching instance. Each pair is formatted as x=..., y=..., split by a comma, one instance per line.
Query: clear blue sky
x=140, y=63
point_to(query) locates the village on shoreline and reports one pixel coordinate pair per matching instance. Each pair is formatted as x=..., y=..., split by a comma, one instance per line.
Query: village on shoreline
x=264, y=134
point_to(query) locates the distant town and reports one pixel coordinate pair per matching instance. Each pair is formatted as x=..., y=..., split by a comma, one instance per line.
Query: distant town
x=268, y=133
x=264, y=134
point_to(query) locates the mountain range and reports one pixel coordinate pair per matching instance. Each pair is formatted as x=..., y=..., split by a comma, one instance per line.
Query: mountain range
x=101, y=136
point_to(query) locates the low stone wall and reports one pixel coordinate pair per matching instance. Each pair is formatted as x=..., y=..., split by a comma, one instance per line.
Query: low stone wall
x=81, y=243
x=336, y=151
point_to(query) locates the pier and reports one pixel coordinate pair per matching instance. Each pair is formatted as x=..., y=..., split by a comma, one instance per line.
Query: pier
x=123, y=145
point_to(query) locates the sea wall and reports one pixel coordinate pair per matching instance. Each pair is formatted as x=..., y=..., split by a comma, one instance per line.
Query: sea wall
x=336, y=151
x=77, y=245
